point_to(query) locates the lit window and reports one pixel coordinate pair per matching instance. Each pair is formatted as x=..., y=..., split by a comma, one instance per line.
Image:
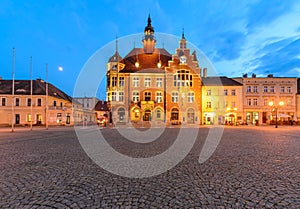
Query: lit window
x=159, y=96
x=183, y=78
x=191, y=97
x=114, y=96
x=28, y=118
x=135, y=96
x=208, y=105
x=121, y=96
x=136, y=81
x=175, y=96
x=121, y=81
x=147, y=82
x=114, y=81
x=158, y=82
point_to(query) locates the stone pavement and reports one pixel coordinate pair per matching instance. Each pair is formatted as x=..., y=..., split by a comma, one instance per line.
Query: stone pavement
x=253, y=167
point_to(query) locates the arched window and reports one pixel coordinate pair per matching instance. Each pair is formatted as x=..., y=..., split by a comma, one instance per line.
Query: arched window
x=121, y=114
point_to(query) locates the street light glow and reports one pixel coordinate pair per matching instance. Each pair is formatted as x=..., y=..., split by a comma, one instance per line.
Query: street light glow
x=281, y=103
x=271, y=103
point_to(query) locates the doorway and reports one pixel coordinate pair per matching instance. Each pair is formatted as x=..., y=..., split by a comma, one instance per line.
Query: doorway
x=17, y=119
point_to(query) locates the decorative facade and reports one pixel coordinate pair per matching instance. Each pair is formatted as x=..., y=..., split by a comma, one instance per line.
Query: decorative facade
x=24, y=108
x=150, y=85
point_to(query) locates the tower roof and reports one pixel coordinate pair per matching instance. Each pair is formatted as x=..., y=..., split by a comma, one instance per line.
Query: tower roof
x=149, y=28
x=115, y=58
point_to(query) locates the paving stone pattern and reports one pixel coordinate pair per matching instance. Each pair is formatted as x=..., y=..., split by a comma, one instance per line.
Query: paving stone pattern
x=253, y=167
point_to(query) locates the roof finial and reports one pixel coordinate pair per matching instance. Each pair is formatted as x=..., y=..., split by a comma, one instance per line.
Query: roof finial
x=182, y=36
x=149, y=20
x=116, y=42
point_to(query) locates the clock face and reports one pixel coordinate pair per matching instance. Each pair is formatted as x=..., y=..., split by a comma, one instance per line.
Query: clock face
x=183, y=59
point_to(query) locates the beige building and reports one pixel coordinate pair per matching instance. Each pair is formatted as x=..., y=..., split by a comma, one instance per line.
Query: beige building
x=258, y=92
x=221, y=100
x=22, y=108
x=84, y=110
x=150, y=85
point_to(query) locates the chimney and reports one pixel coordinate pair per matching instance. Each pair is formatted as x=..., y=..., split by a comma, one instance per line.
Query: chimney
x=245, y=75
x=253, y=75
x=204, y=72
x=270, y=76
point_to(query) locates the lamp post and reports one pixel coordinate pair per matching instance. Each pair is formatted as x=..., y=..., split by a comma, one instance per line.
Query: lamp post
x=46, y=97
x=271, y=103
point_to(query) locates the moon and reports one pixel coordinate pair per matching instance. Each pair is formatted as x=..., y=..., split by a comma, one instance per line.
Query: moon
x=60, y=68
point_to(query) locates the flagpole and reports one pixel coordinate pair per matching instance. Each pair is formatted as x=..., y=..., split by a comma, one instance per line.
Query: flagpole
x=46, y=96
x=13, y=90
x=31, y=93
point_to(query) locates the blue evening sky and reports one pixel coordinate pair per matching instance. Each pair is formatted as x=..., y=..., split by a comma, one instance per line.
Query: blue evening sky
x=257, y=36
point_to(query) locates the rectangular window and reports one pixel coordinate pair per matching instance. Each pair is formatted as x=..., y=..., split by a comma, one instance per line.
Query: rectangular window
x=281, y=89
x=147, y=96
x=266, y=102
x=248, y=89
x=233, y=92
x=113, y=96
x=61, y=104
x=208, y=92
x=265, y=89
x=225, y=92
x=147, y=82
x=54, y=103
x=183, y=78
x=288, y=89
x=159, y=97
x=272, y=89
x=121, y=81
x=114, y=81
x=191, y=97
x=28, y=117
x=289, y=102
x=39, y=102
x=159, y=82
x=175, y=96
x=121, y=96
x=108, y=82
x=3, y=101
x=249, y=102
x=29, y=102
x=135, y=96
x=208, y=104
x=136, y=81
x=254, y=102
x=17, y=102
x=255, y=89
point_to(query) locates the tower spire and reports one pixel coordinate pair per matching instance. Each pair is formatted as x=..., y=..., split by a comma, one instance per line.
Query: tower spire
x=116, y=42
x=182, y=36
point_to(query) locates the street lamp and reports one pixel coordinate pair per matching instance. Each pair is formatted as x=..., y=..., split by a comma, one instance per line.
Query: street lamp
x=271, y=103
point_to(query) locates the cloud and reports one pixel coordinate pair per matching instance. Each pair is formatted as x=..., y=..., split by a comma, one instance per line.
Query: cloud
x=270, y=46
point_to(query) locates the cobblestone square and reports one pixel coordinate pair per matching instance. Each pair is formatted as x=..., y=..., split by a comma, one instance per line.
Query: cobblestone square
x=252, y=167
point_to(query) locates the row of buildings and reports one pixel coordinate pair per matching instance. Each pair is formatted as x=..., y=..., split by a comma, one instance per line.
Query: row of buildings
x=151, y=85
